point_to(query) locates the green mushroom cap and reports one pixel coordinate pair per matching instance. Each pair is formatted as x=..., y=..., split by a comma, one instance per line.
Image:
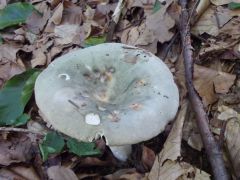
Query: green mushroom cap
x=121, y=92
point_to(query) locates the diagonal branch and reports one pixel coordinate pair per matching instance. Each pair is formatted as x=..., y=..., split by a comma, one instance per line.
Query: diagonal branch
x=211, y=146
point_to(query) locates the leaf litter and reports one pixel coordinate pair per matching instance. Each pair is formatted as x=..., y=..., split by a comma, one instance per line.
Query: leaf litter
x=58, y=27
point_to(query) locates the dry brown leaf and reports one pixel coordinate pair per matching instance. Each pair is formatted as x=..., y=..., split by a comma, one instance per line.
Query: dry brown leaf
x=8, y=70
x=227, y=113
x=222, y=2
x=175, y=170
x=160, y=24
x=207, y=23
x=208, y=81
x=148, y=157
x=201, y=8
x=8, y=52
x=125, y=174
x=67, y=33
x=15, y=149
x=166, y=165
x=27, y=173
x=72, y=14
x=57, y=15
x=36, y=22
x=6, y=174
x=61, y=173
x=232, y=138
x=39, y=58
x=172, y=146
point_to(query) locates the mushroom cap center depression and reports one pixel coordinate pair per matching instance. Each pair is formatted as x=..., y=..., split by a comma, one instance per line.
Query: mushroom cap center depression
x=109, y=89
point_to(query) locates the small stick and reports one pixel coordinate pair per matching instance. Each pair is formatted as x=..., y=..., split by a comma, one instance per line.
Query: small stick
x=170, y=45
x=115, y=18
x=212, y=148
x=11, y=129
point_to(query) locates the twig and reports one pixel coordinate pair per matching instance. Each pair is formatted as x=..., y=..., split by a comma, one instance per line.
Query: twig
x=170, y=45
x=212, y=148
x=11, y=129
x=115, y=18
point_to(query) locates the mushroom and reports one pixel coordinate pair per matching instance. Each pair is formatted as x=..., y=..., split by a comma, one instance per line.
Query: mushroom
x=121, y=92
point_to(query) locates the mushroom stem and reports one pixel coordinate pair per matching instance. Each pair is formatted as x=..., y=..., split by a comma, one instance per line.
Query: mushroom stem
x=121, y=152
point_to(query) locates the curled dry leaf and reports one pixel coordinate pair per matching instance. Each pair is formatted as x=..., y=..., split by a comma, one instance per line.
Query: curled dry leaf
x=125, y=174
x=207, y=23
x=8, y=52
x=227, y=113
x=15, y=149
x=57, y=15
x=166, y=165
x=148, y=157
x=161, y=17
x=208, y=81
x=36, y=21
x=8, y=70
x=39, y=59
x=61, y=173
x=232, y=139
x=22, y=171
x=220, y=2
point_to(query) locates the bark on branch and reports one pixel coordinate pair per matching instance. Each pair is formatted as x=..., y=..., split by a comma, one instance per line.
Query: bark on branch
x=212, y=148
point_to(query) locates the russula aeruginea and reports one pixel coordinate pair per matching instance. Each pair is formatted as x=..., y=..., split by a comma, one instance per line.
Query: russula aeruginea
x=121, y=92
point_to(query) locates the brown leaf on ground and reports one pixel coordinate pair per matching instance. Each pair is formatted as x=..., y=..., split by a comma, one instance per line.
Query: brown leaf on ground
x=207, y=23
x=67, y=33
x=166, y=165
x=208, y=81
x=220, y=2
x=8, y=70
x=232, y=139
x=71, y=15
x=61, y=173
x=15, y=149
x=8, y=52
x=28, y=173
x=160, y=24
x=57, y=15
x=36, y=22
x=125, y=174
x=148, y=157
x=39, y=58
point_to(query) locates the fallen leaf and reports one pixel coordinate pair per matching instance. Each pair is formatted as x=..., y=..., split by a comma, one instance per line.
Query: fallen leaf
x=57, y=15
x=25, y=172
x=61, y=173
x=148, y=157
x=166, y=165
x=220, y=2
x=15, y=149
x=232, y=138
x=207, y=23
x=8, y=52
x=39, y=58
x=8, y=70
x=160, y=24
x=208, y=81
x=226, y=113
x=124, y=174
x=37, y=21
x=67, y=33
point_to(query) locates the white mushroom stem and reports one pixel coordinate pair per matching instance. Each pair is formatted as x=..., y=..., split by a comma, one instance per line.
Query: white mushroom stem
x=121, y=152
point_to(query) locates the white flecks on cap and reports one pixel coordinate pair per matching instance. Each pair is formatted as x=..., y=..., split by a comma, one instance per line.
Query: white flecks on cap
x=92, y=119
